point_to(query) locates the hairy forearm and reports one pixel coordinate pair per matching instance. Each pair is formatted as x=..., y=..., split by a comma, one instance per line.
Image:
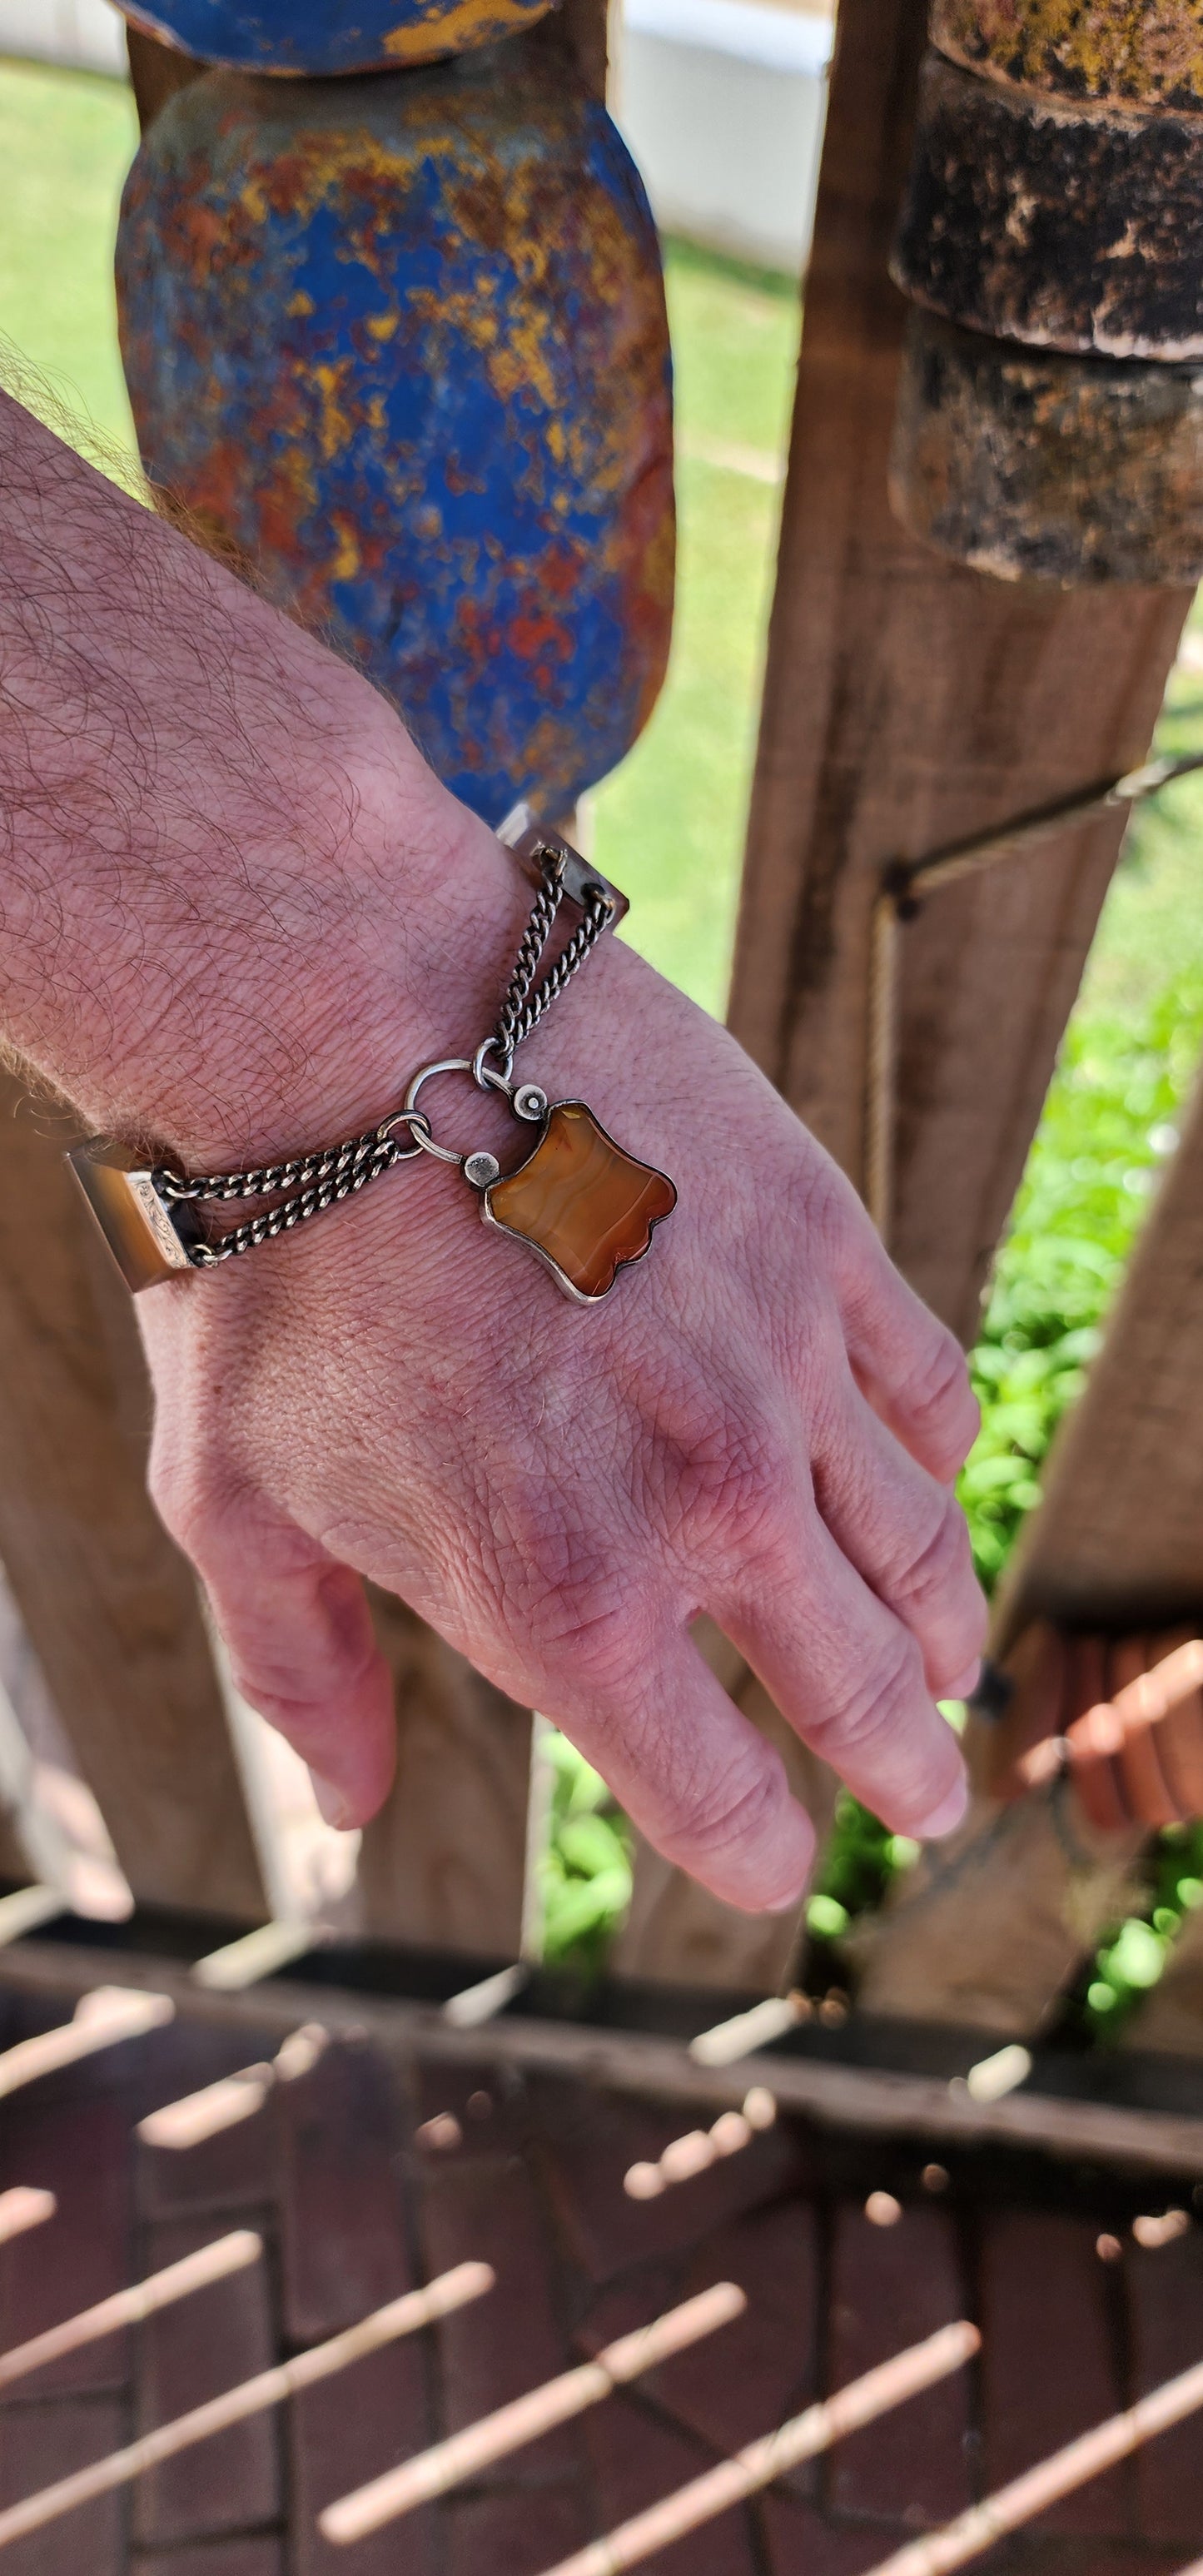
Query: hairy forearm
x=213, y=835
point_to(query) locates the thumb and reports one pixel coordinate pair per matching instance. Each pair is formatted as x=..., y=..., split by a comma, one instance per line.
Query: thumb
x=302, y=1650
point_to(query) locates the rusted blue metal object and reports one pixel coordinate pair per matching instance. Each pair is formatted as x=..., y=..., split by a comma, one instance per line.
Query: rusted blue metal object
x=321, y=36
x=402, y=343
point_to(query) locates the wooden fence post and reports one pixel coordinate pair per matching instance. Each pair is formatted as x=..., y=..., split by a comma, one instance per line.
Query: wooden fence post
x=109, y=1605
x=908, y=702
x=443, y=1865
x=994, y=1927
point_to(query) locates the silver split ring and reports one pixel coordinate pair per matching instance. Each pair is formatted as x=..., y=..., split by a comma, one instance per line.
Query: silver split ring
x=446, y=1064
x=419, y=1127
x=493, y=1077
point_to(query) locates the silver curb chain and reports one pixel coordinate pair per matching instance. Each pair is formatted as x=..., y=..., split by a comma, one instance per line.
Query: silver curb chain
x=335, y=1172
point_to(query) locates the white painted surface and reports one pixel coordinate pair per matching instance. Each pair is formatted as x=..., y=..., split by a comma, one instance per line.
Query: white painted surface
x=721, y=101
x=86, y=32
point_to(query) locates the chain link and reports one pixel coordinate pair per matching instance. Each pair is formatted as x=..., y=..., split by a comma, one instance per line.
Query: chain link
x=526, y=966
x=344, y=1170
x=320, y=1180
x=522, y=1010
x=303, y=1172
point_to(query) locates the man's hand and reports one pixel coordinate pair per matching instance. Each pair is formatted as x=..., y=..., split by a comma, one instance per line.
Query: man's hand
x=761, y=1422
x=274, y=919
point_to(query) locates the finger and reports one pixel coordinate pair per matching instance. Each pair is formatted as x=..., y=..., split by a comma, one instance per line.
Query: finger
x=302, y=1650
x=849, y=1677
x=1182, y=1754
x=697, y=1779
x=904, y=1532
x=1096, y=1742
x=1146, y=1789
x=910, y=1367
x=1180, y=1732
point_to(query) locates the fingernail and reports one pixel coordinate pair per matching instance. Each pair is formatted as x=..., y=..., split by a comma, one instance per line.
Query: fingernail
x=332, y=1805
x=947, y=1816
x=966, y=1683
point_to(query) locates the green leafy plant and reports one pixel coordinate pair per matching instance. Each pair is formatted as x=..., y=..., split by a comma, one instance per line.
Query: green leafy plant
x=1131, y=1961
x=586, y=1885
x=1108, y=1123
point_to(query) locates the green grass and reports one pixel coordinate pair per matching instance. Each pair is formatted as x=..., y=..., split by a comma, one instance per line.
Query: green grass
x=669, y=822
x=66, y=141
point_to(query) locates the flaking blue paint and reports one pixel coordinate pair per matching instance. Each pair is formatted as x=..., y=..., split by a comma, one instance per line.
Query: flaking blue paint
x=403, y=342
x=322, y=36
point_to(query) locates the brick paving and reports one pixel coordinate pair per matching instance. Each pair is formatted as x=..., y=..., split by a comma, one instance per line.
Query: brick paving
x=358, y=2197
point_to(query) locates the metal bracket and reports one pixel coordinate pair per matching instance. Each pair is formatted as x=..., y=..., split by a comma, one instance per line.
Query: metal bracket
x=530, y=840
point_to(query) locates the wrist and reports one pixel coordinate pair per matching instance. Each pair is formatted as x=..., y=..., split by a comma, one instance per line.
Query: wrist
x=232, y=892
x=289, y=994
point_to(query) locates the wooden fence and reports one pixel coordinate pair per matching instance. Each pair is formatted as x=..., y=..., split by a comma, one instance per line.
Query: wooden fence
x=908, y=702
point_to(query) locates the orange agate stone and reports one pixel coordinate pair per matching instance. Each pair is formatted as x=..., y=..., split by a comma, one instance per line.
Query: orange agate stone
x=580, y=1202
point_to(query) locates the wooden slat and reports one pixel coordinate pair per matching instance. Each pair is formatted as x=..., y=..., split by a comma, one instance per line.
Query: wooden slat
x=1116, y=1543
x=108, y=1604
x=909, y=701
x=156, y=72
x=989, y=1928
x=677, y=1933
x=1118, y=1537
x=1120, y=1530
x=891, y=2102
x=443, y=1865
x=15, y=1865
x=1170, y=2022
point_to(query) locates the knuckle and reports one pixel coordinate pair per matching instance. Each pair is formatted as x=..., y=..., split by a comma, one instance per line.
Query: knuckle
x=939, y=1399
x=876, y=1708
x=814, y=1197
x=928, y=1580
x=719, y=1819
x=601, y=1639
x=732, y=1480
x=192, y=1490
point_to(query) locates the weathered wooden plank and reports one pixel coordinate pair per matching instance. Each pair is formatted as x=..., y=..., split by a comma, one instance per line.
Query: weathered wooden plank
x=992, y=1927
x=109, y=1605
x=676, y=1932
x=909, y=701
x=15, y=1865
x=890, y=2102
x=988, y=1929
x=1117, y=1542
x=1118, y=1536
x=156, y=72
x=1120, y=1528
x=1170, y=2022
x=443, y=1865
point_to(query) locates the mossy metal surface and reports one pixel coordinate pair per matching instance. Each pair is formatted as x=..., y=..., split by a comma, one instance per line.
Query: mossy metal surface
x=401, y=343
x=1144, y=52
x=1035, y=466
x=1029, y=219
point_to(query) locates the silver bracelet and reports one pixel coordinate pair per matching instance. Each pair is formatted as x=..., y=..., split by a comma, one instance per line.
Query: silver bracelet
x=579, y=1201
